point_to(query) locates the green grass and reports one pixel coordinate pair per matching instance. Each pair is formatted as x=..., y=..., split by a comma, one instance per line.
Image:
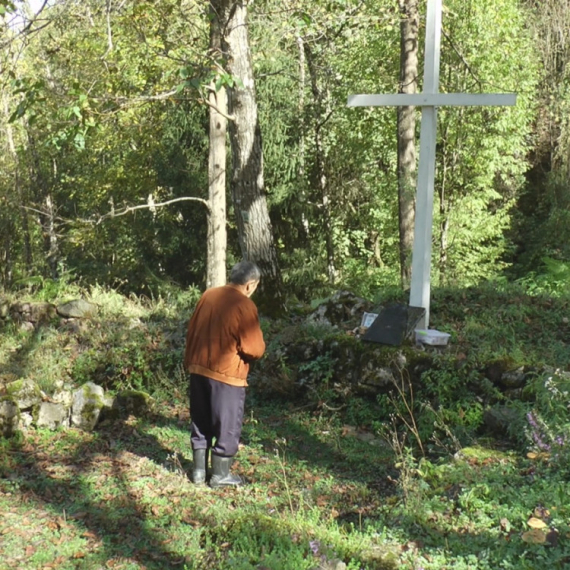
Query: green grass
x=120, y=498
x=323, y=483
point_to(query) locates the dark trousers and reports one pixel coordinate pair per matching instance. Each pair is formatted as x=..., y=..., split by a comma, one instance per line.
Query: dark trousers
x=216, y=411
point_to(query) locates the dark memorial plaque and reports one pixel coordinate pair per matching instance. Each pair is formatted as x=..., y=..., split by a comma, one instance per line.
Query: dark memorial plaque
x=394, y=324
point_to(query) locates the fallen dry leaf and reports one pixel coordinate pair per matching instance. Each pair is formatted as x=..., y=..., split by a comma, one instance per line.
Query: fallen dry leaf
x=534, y=456
x=30, y=550
x=535, y=523
x=534, y=536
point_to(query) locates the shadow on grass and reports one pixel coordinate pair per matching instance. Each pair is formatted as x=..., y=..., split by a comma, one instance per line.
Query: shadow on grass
x=322, y=445
x=105, y=485
x=474, y=516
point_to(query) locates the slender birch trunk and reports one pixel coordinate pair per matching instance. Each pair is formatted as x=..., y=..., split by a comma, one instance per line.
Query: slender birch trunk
x=217, y=233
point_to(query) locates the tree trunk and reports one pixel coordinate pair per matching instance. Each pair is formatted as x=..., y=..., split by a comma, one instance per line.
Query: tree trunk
x=325, y=206
x=50, y=237
x=47, y=219
x=409, y=25
x=302, y=193
x=444, y=226
x=247, y=183
x=323, y=113
x=28, y=258
x=217, y=234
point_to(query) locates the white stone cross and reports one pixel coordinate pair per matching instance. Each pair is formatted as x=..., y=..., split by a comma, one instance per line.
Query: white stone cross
x=428, y=100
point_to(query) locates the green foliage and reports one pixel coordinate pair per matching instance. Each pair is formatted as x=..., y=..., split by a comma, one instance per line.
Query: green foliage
x=548, y=421
x=554, y=279
x=482, y=153
x=106, y=112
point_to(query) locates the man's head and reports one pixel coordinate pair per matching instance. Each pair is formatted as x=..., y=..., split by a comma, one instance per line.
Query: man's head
x=245, y=275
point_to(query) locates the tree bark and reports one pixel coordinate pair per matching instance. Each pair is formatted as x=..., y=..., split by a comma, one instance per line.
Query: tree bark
x=47, y=220
x=28, y=256
x=409, y=25
x=247, y=182
x=302, y=170
x=323, y=112
x=217, y=234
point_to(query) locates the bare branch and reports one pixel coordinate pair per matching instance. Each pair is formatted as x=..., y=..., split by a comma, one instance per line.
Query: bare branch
x=467, y=66
x=217, y=109
x=109, y=31
x=147, y=206
x=44, y=213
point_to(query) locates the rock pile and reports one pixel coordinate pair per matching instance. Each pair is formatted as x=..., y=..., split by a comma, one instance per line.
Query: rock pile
x=23, y=405
x=32, y=315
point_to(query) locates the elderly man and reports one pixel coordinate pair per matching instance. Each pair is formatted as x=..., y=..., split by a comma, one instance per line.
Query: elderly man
x=223, y=337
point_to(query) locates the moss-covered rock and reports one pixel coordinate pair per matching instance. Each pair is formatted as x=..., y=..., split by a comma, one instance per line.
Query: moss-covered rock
x=343, y=309
x=4, y=308
x=499, y=420
x=132, y=402
x=88, y=401
x=9, y=416
x=77, y=309
x=479, y=454
x=52, y=415
x=37, y=313
x=25, y=392
x=302, y=358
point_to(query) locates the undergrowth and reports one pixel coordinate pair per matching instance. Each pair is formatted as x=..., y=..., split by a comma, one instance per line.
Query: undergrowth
x=407, y=480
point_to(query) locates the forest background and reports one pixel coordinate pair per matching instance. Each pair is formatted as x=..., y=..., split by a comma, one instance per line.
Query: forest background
x=105, y=116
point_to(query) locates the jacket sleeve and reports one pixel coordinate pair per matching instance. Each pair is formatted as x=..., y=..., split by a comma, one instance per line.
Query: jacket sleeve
x=251, y=344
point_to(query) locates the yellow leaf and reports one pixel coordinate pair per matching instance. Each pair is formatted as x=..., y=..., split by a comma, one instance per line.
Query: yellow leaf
x=533, y=456
x=534, y=536
x=535, y=523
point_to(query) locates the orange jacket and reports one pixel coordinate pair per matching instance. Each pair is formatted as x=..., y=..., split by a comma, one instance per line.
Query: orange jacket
x=223, y=336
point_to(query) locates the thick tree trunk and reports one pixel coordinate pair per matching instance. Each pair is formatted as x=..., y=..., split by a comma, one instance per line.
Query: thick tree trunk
x=247, y=183
x=217, y=234
x=409, y=25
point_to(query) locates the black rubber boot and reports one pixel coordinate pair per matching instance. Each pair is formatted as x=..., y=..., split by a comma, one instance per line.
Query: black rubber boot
x=200, y=457
x=221, y=476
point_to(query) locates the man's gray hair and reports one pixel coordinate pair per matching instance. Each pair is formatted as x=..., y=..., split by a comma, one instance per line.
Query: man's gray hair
x=244, y=272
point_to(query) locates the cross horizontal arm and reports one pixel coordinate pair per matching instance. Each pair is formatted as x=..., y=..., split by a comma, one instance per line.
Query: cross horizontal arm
x=433, y=100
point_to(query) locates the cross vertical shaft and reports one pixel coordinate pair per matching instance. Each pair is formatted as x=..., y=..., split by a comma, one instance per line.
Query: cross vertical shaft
x=421, y=253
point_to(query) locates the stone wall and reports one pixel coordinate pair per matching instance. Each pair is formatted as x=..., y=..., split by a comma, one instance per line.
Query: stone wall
x=31, y=315
x=23, y=405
